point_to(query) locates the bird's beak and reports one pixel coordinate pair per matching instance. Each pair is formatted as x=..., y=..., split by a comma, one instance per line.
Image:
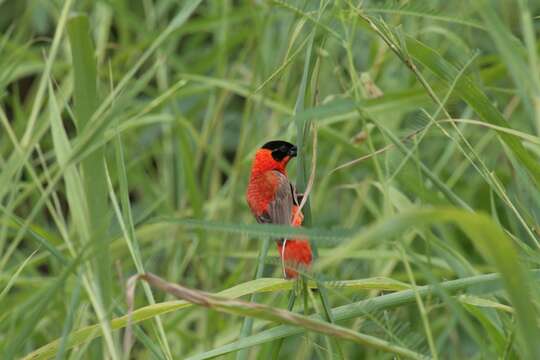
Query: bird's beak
x=293, y=151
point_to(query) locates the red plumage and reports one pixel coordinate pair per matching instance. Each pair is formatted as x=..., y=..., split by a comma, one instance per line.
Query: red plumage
x=297, y=256
x=297, y=253
x=272, y=199
x=263, y=183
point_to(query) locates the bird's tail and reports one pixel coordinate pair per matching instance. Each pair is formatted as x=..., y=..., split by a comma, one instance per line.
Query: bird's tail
x=295, y=253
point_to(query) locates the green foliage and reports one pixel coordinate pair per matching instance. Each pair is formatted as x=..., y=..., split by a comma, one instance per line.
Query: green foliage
x=127, y=132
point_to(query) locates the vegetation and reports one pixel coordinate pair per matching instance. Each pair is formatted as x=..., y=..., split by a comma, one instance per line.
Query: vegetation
x=127, y=132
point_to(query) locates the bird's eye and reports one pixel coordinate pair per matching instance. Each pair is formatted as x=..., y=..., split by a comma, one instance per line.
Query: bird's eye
x=280, y=153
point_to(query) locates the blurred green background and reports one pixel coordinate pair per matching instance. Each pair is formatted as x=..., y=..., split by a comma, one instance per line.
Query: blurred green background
x=127, y=132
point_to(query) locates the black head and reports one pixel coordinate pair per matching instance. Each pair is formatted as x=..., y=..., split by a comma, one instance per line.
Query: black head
x=280, y=149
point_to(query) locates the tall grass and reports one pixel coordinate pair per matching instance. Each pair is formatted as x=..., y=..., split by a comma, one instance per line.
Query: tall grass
x=127, y=132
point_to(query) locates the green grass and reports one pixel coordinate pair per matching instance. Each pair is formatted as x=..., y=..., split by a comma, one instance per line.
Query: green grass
x=126, y=136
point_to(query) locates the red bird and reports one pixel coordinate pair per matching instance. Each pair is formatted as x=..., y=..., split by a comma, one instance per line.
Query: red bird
x=273, y=200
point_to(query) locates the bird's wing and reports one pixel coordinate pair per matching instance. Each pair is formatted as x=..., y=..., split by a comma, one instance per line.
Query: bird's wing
x=279, y=209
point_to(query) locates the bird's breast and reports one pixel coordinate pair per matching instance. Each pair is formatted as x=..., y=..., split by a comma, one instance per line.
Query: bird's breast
x=260, y=192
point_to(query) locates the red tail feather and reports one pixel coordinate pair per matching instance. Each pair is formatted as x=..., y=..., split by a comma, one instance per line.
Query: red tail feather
x=297, y=253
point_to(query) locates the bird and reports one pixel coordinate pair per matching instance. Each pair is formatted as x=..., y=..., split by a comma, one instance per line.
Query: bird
x=272, y=199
